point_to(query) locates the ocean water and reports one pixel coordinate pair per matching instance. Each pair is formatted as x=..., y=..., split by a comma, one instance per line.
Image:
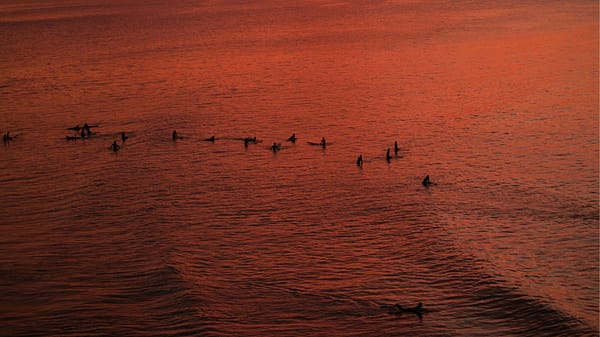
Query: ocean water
x=497, y=101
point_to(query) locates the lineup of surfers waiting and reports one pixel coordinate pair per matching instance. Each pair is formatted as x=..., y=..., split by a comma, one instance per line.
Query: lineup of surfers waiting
x=323, y=143
x=85, y=131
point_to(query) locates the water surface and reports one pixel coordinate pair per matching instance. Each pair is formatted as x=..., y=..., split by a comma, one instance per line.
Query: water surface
x=497, y=101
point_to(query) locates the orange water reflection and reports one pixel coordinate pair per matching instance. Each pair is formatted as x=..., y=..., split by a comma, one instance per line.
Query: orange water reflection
x=498, y=102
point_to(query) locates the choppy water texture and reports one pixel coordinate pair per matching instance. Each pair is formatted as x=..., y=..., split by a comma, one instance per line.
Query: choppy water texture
x=496, y=100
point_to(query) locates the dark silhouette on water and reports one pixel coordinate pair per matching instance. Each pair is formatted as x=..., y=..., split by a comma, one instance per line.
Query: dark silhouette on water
x=84, y=130
x=323, y=143
x=176, y=136
x=247, y=140
x=211, y=139
x=292, y=138
x=275, y=147
x=417, y=310
x=359, y=161
x=396, y=148
x=115, y=147
x=388, y=156
x=123, y=136
x=427, y=182
x=7, y=137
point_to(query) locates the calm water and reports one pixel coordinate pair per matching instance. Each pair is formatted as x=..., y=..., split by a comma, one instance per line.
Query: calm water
x=497, y=101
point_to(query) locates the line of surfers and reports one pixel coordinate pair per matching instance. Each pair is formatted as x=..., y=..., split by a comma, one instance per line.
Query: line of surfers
x=85, y=130
x=277, y=146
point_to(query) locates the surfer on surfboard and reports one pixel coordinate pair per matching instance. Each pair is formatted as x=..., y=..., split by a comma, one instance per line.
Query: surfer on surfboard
x=175, y=136
x=427, y=182
x=114, y=146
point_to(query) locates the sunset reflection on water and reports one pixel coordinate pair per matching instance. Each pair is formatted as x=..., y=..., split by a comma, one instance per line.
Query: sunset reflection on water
x=497, y=101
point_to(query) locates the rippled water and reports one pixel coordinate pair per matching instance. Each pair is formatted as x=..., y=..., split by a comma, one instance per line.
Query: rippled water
x=497, y=101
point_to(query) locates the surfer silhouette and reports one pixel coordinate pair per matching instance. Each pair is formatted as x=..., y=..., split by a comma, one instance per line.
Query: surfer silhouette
x=359, y=161
x=115, y=147
x=426, y=181
x=417, y=310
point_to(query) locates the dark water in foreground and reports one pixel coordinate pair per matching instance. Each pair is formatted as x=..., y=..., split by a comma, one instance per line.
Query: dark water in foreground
x=497, y=101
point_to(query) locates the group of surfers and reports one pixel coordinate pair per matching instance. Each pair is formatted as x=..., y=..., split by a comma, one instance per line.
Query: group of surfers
x=275, y=147
x=81, y=131
x=388, y=156
x=114, y=146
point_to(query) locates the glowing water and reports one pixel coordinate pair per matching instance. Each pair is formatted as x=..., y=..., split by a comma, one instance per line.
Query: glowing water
x=496, y=101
